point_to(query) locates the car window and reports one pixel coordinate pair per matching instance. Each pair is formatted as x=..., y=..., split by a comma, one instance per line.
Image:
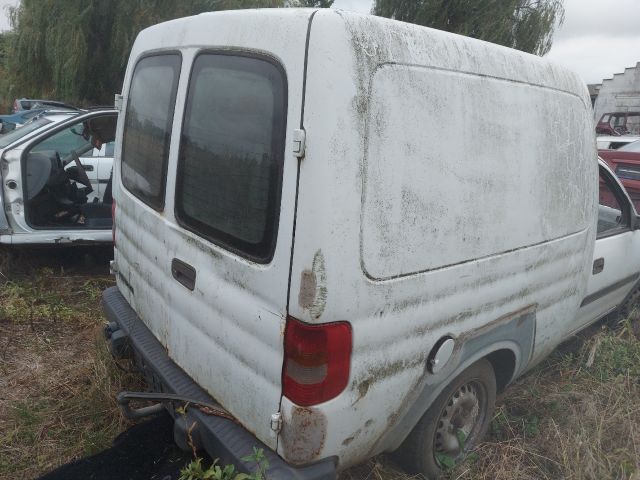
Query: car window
x=15, y=135
x=612, y=209
x=64, y=142
x=231, y=156
x=633, y=124
x=147, y=129
x=631, y=147
x=80, y=137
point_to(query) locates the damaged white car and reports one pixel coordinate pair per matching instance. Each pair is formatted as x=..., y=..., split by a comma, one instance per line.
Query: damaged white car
x=56, y=180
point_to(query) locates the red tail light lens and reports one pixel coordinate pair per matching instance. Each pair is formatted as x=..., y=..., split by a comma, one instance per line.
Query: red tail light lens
x=113, y=219
x=317, y=360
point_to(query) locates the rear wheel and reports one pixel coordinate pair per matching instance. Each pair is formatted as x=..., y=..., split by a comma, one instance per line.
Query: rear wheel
x=455, y=424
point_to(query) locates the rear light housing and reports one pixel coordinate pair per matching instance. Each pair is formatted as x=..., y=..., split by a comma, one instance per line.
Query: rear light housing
x=317, y=361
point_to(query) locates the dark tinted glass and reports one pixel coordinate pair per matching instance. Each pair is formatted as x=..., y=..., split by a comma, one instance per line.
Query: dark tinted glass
x=611, y=213
x=230, y=168
x=147, y=130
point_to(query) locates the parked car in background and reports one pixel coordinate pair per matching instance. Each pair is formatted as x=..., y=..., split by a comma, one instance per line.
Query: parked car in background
x=614, y=143
x=295, y=255
x=56, y=175
x=11, y=122
x=625, y=162
x=619, y=123
x=28, y=104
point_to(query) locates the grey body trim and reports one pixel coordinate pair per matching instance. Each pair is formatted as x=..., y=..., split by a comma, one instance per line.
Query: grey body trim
x=515, y=332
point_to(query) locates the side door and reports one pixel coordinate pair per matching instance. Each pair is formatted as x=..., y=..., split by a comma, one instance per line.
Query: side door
x=616, y=259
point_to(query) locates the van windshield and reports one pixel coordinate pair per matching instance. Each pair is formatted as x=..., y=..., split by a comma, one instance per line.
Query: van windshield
x=18, y=133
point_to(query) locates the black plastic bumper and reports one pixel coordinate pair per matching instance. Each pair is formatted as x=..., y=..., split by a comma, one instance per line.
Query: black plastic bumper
x=220, y=437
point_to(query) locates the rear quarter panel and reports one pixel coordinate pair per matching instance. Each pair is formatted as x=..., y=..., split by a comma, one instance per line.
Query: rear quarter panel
x=398, y=313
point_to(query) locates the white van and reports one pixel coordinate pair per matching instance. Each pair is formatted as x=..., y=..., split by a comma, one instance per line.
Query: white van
x=56, y=179
x=344, y=234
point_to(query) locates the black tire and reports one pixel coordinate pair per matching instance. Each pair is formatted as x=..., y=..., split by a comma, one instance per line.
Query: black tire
x=423, y=450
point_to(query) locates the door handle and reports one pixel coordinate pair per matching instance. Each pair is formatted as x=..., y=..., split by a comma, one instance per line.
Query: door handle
x=87, y=168
x=184, y=273
x=598, y=266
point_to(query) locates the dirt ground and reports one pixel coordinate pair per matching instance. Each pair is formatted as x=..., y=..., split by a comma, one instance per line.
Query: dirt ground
x=576, y=416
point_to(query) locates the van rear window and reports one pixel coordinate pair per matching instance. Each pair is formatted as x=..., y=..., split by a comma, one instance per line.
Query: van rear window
x=147, y=128
x=230, y=167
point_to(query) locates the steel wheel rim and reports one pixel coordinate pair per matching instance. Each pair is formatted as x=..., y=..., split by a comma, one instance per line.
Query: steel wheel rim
x=460, y=422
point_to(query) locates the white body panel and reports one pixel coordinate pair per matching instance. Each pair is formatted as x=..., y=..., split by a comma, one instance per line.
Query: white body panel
x=605, y=142
x=431, y=203
x=227, y=333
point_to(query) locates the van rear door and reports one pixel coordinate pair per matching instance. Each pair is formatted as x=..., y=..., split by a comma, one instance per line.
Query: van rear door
x=205, y=200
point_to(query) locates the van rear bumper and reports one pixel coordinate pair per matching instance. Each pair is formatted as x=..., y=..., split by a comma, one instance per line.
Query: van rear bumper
x=220, y=437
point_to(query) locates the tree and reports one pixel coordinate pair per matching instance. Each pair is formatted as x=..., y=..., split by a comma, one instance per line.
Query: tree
x=527, y=25
x=77, y=50
x=315, y=3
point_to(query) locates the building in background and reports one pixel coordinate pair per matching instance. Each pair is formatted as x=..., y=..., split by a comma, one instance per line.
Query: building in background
x=619, y=94
x=594, y=89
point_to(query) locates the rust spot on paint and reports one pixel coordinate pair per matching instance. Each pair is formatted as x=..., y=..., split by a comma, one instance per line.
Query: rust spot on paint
x=303, y=435
x=308, y=286
x=313, y=287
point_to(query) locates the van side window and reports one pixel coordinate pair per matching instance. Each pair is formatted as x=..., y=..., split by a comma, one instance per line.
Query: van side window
x=612, y=209
x=230, y=165
x=147, y=128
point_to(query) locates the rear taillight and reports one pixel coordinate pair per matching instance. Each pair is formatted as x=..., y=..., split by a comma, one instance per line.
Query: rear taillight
x=113, y=221
x=317, y=360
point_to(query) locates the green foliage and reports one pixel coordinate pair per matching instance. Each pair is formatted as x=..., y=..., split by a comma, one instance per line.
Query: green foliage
x=261, y=462
x=77, y=50
x=315, y=3
x=195, y=471
x=526, y=25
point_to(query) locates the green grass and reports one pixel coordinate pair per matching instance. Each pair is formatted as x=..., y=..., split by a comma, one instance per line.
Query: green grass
x=57, y=379
x=576, y=416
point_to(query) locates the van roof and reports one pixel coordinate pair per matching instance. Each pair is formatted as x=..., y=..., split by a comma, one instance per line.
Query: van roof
x=375, y=39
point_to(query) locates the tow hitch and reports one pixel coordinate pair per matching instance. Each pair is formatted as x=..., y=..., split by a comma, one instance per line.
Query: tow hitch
x=124, y=399
x=185, y=430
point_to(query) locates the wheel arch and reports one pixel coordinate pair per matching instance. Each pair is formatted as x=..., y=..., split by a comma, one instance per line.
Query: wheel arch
x=507, y=344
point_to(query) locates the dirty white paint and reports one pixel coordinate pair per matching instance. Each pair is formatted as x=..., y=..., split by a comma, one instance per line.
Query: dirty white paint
x=227, y=333
x=447, y=184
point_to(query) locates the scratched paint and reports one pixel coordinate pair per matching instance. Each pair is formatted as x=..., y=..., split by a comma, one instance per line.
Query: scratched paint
x=399, y=230
x=433, y=175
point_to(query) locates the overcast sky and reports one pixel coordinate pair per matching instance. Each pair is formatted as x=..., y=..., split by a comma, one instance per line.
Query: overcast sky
x=598, y=38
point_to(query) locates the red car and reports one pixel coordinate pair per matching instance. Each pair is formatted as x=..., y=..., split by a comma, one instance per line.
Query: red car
x=619, y=123
x=625, y=162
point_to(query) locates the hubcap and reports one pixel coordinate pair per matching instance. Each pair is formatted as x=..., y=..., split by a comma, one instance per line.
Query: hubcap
x=460, y=421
